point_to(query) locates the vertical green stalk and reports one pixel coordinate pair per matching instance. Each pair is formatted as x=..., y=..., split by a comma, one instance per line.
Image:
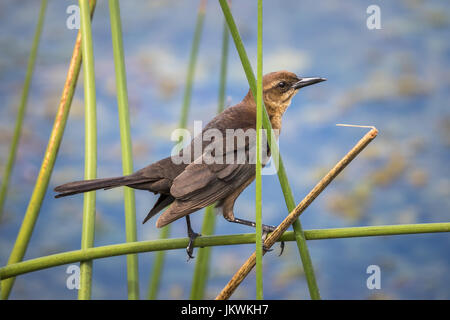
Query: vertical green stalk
x=165, y=231
x=258, y=197
x=125, y=138
x=223, y=68
x=202, y=264
x=90, y=172
x=22, y=107
x=192, y=63
x=48, y=162
x=155, y=278
x=282, y=177
x=201, y=271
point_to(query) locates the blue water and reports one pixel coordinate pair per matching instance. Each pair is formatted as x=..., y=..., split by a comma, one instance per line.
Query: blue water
x=396, y=78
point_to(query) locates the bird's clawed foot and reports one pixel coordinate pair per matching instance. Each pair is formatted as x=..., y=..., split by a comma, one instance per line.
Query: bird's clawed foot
x=192, y=236
x=264, y=236
x=265, y=228
x=190, y=248
x=281, y=248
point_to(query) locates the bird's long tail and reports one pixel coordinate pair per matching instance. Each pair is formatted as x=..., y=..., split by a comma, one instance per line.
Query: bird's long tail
x=76, y=187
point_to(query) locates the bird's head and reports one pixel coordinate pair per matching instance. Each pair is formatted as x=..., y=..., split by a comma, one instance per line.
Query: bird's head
x=280, y=87
x=278, y=90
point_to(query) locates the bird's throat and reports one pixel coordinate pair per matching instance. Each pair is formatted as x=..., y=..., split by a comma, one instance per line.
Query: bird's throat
x=275, y=121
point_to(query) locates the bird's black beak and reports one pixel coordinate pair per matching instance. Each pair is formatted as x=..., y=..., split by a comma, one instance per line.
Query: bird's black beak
x=304, y=82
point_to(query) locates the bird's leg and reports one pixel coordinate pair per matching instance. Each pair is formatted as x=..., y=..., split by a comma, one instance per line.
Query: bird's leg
x=266, y=229
x=192, y=235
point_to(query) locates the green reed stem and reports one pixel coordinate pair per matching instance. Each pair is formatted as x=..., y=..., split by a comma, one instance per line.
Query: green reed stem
x=192, y=64
x=40, y=188
x=223, y=68
x=258, y=181
x=165, y=231
x=287, y=192
x=22, y=107
x=127, y=149
x=201, y=271
x=155, y=279
x=90, y=171
x=58, y=259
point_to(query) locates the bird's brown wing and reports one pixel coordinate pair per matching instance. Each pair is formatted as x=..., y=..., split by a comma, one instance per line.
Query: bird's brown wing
x=159, y=176
x=200, y=185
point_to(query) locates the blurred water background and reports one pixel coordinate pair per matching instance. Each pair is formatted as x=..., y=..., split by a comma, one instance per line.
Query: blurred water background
x=396, y=78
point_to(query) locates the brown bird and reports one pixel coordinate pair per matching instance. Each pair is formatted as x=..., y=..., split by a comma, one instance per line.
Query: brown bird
x=194, y=184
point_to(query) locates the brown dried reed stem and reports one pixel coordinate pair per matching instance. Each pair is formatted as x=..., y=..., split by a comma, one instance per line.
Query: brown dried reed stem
x=245, y=269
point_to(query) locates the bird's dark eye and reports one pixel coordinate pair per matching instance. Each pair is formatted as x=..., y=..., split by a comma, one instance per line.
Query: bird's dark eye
x=282, y=84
